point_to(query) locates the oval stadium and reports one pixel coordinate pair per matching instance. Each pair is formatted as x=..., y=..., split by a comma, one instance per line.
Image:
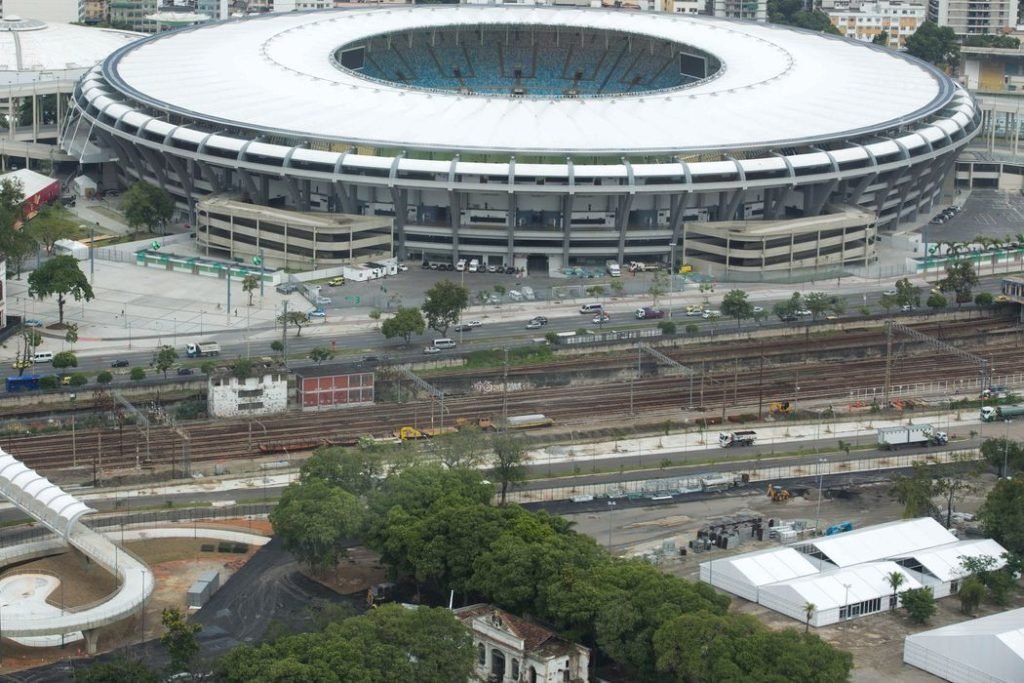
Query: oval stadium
x=527, y=137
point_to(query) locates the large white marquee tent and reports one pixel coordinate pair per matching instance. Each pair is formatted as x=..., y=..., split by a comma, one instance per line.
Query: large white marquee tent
x=987, y=650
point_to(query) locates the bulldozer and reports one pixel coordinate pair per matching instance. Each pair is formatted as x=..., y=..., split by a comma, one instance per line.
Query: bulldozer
x=780, y=408
x=777, y=494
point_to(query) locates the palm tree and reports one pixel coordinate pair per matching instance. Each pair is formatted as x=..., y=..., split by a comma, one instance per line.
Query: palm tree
x=809, y=609
x=895, y=580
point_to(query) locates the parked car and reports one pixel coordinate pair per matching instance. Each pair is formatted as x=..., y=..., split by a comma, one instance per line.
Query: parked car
x=32, y=322
x=287, y=288
x=336, y=281
x=322, y=301
x=757, y=309
x=317, y=313
x=402, y=267
x=804, y=313
x=494, y=269
x=184, y=371
x=120, y=363
x=890, y=292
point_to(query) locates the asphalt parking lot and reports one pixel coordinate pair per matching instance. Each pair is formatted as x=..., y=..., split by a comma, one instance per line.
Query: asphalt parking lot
x=989, y=213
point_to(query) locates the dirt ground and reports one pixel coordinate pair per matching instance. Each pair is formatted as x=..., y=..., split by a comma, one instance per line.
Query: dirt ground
x=876, y=642
x=176, y=564
x=357, y=573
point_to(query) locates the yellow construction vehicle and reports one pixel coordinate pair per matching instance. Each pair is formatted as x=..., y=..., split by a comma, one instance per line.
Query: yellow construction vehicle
x=778, y=495
x=780, y=408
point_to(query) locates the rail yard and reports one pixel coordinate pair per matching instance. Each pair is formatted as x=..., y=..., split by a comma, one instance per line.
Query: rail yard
x=843, y=366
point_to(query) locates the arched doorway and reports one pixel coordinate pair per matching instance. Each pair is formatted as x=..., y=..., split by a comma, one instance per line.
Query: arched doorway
x=498, y=664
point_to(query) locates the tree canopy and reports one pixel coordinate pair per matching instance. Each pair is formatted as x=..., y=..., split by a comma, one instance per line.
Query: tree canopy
x=1002, y=514
x=148, y=205
x=960, y=279
x=404, y=323
x=736, y=304
x=164, y=358
x=934, y=43
x=314, y=520
x=60, y=276
x=390, y=644
x=794, y=13
x=443, y=305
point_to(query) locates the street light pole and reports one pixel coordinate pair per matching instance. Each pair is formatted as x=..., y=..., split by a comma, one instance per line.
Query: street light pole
x=611, y=507
x=671, y=277
x=74, y=445
x=817, y=513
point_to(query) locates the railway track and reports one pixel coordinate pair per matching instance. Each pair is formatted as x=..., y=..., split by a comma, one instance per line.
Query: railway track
x=734, y=377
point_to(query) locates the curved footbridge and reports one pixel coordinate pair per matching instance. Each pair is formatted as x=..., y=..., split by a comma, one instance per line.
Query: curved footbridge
x=61, y=513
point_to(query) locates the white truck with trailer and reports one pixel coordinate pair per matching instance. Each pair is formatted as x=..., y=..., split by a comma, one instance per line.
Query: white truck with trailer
x=202, y=349
x=744, y=437
x=1004, y=413
x=891, y=438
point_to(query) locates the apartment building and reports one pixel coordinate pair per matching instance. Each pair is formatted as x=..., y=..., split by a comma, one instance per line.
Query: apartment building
x=974, y=16
x=865, y=21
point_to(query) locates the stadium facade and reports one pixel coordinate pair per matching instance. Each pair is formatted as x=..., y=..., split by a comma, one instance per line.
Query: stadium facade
x=537, y=137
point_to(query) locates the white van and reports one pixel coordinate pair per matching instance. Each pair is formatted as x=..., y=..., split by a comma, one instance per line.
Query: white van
x=528, y=292
x=591, y=308
x=444, y=343
x=474, y=265
x=460, y=265
x=42, y=357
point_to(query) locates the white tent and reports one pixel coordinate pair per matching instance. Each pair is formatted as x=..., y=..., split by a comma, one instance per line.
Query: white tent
x=838, y=594
x=986, y=650
x=893, y=539
x=941, y=567
x=744, y=574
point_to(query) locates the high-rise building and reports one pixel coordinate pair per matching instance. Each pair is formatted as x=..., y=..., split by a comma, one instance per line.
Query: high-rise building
x=974, y=16
x=753, y=10
x=131, y=14
x=866, y=21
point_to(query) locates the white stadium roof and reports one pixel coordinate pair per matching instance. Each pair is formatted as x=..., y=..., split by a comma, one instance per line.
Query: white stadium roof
x=35, y=50
x=777, y=85
x=987, y=649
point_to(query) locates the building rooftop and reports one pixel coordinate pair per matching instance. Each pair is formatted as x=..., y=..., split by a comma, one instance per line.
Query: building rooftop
x=777, y=85
x=33, y=50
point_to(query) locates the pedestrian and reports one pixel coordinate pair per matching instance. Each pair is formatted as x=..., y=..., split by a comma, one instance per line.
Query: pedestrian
x=236, y=312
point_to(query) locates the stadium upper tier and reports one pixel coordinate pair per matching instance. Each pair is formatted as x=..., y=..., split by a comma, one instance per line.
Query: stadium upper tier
x=279, y=76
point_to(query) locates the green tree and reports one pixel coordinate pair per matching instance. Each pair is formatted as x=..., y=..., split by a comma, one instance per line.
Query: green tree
x=79, y=379
x=207, y=367
x=1002, y=514
x=64, y=360
x=659, y=286
x=881, y=39
x=250, y=283
x=667, y=327
x=164, y=359
x=960, y=279
x=444, y=304
x=119, y=670
x=180, y=639
x=971, y=593
x=318, y=354
x=59, y=276
x=390, y=644
x=50, y=225
x=956, y=481
x=809, y=609
x=735, y=304
x=934, y=43
x=919, y=604
x=276, y=346
x=314, y=520
x=706, y=289
x=895, y=580
x=915, y=492
x=242, y=369
x=464, y=448
x=48, y=382
x=71, y=333
x=137, y=374
x=936, y=301
x=821, y=304
x=794, y=13
x=1000, y=451
x=907, y=294
x=148, y=205
x=617, y=287
x=509, y=464
x=354, y=470
x=789, y=307
x=736, y=647
x=404, y=323
x=104, y=377
x=298, y=319
x=984, y=299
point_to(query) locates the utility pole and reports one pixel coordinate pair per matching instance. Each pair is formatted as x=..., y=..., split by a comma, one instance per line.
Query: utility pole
x=284, y=333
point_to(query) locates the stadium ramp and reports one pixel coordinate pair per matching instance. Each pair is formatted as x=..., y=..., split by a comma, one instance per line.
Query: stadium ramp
x=60, y=512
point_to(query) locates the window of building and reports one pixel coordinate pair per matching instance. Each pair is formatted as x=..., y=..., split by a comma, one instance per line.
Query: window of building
x=481, y=654
x=515, y=669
